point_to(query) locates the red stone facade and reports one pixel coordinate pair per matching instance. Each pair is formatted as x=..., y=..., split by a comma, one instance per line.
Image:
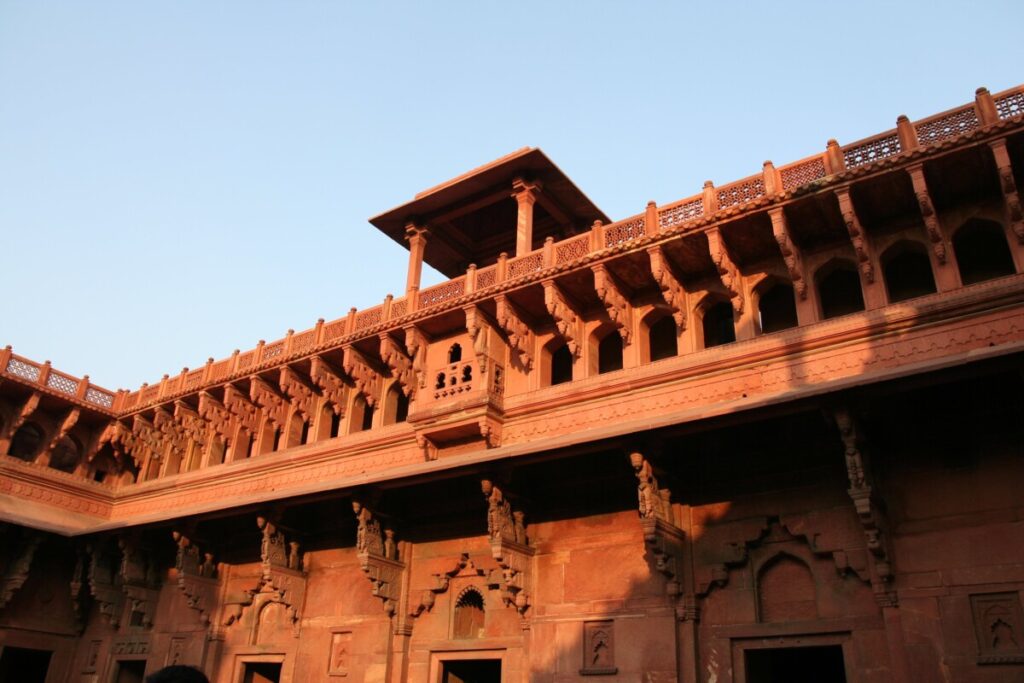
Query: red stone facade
x=770, y=432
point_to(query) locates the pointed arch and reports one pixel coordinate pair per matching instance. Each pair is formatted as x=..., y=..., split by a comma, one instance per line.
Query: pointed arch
x=786, y=590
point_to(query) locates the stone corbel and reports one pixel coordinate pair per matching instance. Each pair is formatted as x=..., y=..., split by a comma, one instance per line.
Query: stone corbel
x=671, y=288
x=568, y=322
x=66, y=424
x=26, y=409
x=610, y=292
x=220, y=419
x=726, y=268
x=662, y=539
x=332, y=386
x=399, y=363
x=190, y=423
x=102, y=575
x=790, y=252
x=869, y=512
x=1008, y=186
x=245, y=412
x=931, y=219
x=515, y=561
x=139, y=580
x=171, y=437
x=416, y=342
x=732, y=551
x=861, y=245
x=272, y=404
x=479, y=326
x=378, y=558
x=17, y=569
x=520, y=336
x=365, y=377
x=196, y=576
x=282, y=579
x=301, y=396
x=147, y=443
x=441, y=582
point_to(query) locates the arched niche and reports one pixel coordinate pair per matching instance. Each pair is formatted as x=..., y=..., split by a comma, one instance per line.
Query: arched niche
x=659, y=336
x=776, y=305
x=27, y=442
x=396, y=405
x=786, y=590
x=468, y=616
x=839, y=290
x=907, y=271
x=717, y=321
x=981, y=251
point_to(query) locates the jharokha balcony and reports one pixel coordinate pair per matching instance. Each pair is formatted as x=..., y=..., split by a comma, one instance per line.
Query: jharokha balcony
x=557, y=326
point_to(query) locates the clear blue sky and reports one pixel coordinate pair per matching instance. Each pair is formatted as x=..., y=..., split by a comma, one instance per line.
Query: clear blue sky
x=179, y=179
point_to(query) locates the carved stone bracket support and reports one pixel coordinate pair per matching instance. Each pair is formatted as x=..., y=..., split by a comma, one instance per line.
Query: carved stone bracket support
x=17, y=570
x=273, y=405
x=727, y=270
x=26, y=409
x=479, y=326
x=399, y=363
x=197, y=577
x=861, y=245
x=102, y=576
x=520, y=336
x=365, y=377
x=441, y=582
x=69, y=420
x=610, y=292
x=664, y=544
x=246, y=413
x=386, y=578
x=1008, y=186
x=671, y=287
x=514, y=577
x=302, y=397
x=869, y=512
x=282, y=579
x=416, y=342
x=790, y=252
x=333, y=387
x=931, y=219
x=568, y=322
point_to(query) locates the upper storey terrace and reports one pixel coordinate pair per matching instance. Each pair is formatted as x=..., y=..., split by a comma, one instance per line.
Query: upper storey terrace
x=894, y=255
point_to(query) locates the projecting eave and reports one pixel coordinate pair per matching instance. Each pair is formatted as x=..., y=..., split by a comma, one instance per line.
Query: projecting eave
x=450, y=209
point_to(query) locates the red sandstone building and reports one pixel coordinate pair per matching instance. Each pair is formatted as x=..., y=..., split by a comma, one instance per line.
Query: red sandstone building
x=770, y=432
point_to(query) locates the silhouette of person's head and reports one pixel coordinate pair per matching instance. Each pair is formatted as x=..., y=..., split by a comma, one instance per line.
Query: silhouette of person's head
x=178, y=674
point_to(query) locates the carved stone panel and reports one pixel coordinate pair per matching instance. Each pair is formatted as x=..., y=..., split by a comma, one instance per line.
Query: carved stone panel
x=339, y=654
x=999, y=628
x=599, y=648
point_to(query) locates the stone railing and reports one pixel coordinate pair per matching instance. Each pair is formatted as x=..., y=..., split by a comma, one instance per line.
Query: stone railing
x=690, y=212
x=43, y=376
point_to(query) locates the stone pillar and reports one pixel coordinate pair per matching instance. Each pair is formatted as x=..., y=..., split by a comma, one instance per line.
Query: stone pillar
x=525, y=194
x=416, y=235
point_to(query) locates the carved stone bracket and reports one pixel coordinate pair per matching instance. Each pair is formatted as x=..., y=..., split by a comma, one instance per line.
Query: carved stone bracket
x=302, y=397
x=139, y=580
x=197, y=577
x=479, y=326
x=790, y=252
x=861, y=245
x=568, y=322
x=441, y=583
x=104, y=581
x=282, y=579
x=610, y=292
x=26, y=409
x=869, y=511
x=514, y=577
x=400, y=364
x=365, y=377
x=931, y=219
x=732, y=551
x=191, y=424
x=69, y=420
x=520, y=336
x=671, y=288
x=333, y=387
x=1008, y=185
x=273, y=405
x=664, y=544
x=386, y=578
x=727, y=270
x=245, y=412
x=653, y=500
x=220, y=419
x=16, y=572
x=416, y=342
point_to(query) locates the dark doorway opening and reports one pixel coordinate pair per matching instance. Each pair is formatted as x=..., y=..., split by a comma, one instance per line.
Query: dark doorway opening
x=262, y=672
x=472, y=671
x=22, y=665
x=130, y=671
x=819, y=664
x=561, y=365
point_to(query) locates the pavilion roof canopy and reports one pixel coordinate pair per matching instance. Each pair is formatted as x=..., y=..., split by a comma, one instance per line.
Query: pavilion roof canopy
x=472, y=218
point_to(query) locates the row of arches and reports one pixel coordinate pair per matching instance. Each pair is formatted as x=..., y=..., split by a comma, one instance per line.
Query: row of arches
x=981, y=251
